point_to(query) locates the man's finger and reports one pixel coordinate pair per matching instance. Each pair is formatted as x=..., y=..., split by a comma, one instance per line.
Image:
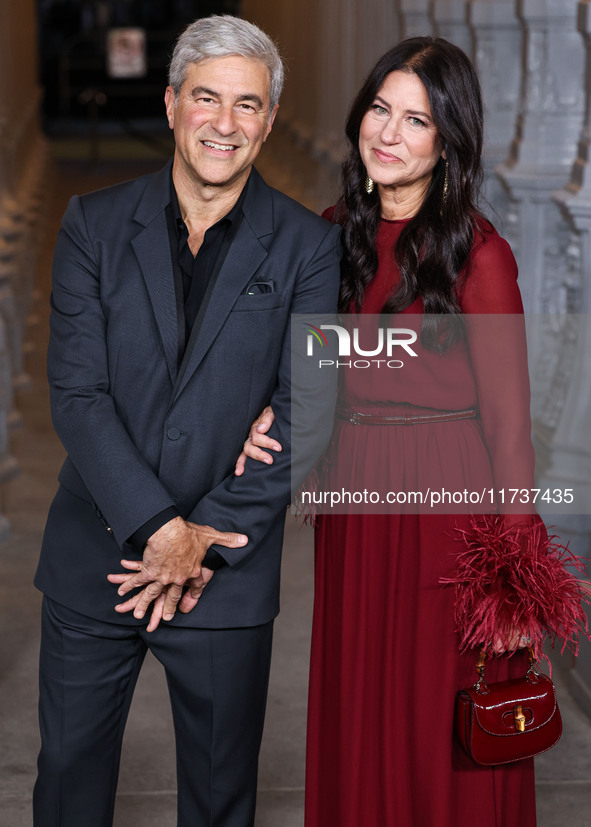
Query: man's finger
x=188, y=602
x=118, y=578
x=145, y=597
x=122, y=577
x=194, y=590
x=128, y=605
x=132, y=565
x=264, y=421
x=171, y=599
x=134, y=582
x=191, y=596
x=251, y=450
x=130, y=584
x=262, y=441
x=157, y=611
x=226, y=538
x=240, y=465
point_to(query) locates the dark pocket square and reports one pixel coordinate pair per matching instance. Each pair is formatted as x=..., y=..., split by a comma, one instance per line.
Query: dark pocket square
x=255, y=288
x=260, y=301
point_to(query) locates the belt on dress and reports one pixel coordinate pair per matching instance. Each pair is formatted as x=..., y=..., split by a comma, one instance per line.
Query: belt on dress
x=356, y=418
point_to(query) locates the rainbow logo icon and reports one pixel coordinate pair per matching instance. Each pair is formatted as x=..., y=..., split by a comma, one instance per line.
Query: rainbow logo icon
x=317, y=334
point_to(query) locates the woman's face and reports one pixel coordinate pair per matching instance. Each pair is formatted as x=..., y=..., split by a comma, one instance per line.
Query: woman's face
x=398, y=141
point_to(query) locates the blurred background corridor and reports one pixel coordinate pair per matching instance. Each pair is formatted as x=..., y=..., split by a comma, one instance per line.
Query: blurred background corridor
x=81, y=89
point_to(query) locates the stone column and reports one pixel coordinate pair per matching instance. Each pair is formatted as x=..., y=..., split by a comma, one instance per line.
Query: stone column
x=329, y=48
x=281, y=22
x=545, y=145
x=568, y=451
x=356, y=36
x=12, y=219
x=11, y=248
x=353, y=37
x=296, y=126
x=303, y=61
x=415, y=18
x=575, y=197
x=451, y=22
x=23, y=182
x=377, y=30
x=336, y=78
x=8, y=327
x=498, y=61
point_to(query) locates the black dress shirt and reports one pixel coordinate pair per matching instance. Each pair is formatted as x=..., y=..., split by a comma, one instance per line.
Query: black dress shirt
x=194, y=277
x=194, y=274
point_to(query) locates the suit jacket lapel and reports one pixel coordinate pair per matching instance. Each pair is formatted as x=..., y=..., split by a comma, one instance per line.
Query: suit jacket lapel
x=152, y=248
x=244, y=258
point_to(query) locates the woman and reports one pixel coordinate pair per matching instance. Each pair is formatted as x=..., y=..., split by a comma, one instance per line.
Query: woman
x=385, y=663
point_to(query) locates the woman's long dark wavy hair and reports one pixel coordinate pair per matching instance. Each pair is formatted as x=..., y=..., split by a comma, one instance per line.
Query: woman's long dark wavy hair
x=435, y=244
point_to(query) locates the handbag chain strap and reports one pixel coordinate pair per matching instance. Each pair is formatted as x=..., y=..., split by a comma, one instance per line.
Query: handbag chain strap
x=481, y=685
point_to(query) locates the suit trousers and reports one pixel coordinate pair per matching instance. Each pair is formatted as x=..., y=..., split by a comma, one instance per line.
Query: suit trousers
x=217, y=680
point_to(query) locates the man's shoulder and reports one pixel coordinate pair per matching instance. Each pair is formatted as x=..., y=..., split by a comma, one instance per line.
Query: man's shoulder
x=289, y=210
x=110, y=204
x=123, y=192
x=286, y=203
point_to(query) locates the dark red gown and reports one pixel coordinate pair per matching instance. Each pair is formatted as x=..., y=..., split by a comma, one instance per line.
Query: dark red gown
x=385, y=665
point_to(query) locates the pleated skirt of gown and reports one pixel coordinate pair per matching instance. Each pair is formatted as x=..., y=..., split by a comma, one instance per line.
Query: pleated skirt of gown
x=385, y=665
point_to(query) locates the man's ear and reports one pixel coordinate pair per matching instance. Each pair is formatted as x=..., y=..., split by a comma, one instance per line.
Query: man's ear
x=170, y=103
x=271, y=120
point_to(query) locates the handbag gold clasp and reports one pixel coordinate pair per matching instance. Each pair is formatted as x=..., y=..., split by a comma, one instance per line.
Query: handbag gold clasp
x=519, y=718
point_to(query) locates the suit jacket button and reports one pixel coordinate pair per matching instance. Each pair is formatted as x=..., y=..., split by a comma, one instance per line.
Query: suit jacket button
x=173, y=433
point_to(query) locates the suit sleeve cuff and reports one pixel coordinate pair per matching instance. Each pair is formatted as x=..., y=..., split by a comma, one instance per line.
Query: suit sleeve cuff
x=140, y=537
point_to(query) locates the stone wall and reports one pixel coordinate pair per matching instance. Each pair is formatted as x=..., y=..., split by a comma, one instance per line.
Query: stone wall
x=23, y=166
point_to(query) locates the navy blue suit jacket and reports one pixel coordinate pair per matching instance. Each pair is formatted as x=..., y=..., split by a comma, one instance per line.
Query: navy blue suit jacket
x=142, y=435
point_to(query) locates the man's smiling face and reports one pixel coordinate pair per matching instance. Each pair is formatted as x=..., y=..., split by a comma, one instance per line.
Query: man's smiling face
x=220, y=120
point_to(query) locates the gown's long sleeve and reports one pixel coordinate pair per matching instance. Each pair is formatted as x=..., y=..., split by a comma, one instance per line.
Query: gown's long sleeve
x=491, y=302
x=512, y=578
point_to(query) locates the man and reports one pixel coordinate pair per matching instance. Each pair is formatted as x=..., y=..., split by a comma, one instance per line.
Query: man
x=171, y=303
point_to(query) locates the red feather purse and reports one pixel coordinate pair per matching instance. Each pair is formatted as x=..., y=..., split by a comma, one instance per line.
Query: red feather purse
x=509, y=720
x=514, y=579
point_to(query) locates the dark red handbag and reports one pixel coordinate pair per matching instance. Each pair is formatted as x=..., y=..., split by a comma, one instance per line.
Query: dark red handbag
x=510, y=720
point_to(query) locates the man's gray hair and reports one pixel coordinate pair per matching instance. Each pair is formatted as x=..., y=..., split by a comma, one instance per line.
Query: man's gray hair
x=222, y=35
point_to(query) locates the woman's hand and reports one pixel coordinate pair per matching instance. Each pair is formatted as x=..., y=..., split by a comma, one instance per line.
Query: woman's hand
x=257, y=440
x=516, y=641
